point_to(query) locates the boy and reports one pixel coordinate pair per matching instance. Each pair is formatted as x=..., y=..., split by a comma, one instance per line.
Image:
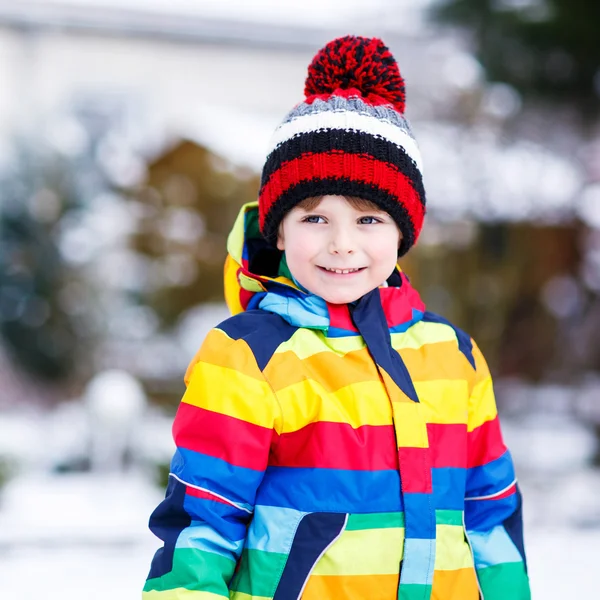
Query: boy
x=336, y=441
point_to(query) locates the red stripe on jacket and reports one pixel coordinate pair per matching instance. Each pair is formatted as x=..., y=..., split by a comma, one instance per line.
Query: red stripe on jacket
x=367, y=448
x=203, y=431
x=485, y=444
x=448, y=444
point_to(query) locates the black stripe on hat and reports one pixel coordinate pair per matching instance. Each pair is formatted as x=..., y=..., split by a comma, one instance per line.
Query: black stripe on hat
x=350, y=142
x=340, y=187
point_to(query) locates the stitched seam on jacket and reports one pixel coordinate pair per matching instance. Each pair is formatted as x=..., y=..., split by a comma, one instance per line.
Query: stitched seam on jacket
x=288, y=547
x=494, y=495
x=202, y=489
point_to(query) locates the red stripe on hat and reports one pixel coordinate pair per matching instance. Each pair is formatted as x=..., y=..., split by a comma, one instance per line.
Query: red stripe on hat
x=338, y=165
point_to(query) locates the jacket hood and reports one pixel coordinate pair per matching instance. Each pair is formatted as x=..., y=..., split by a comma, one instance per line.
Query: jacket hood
x=254, y=279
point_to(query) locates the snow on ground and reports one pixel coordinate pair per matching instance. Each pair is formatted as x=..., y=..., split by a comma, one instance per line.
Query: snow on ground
x=76, y=537
x=75, y=573
x=563, y=563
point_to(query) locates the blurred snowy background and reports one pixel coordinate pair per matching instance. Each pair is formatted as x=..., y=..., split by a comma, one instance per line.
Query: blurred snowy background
x=130, y=133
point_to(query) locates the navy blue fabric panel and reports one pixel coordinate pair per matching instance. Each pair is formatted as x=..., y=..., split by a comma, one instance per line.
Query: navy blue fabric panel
x=314, y=534
x=369, y=318
x=465, y=344
x=264, y=332
x=167, y=521
x=514, y=527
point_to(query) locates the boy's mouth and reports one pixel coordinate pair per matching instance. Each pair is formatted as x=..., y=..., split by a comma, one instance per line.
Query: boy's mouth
x=342, y=271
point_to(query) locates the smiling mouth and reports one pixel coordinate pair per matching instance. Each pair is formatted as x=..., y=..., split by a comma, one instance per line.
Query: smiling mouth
x=342, y=271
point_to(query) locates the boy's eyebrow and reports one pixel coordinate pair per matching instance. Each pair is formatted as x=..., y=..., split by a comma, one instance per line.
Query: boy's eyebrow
x=318, y=207
x=370, y=211
x=366, y=211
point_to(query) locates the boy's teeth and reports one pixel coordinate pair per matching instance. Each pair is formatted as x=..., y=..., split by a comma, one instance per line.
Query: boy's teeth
x=342, y=271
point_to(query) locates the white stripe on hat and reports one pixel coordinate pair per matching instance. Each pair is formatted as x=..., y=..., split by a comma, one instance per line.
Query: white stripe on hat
x=350, y=121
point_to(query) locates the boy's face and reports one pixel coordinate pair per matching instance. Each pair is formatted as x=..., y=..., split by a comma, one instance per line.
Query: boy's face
x=338, y=252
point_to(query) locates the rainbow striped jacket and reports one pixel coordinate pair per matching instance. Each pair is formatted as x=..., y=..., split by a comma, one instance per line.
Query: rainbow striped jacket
x=335, y=452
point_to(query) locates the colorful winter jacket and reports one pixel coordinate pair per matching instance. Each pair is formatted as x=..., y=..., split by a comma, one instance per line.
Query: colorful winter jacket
x=330, y=452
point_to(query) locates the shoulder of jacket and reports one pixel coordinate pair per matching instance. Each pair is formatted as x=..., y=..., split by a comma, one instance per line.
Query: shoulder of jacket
x=464, y=340
x=262, y=331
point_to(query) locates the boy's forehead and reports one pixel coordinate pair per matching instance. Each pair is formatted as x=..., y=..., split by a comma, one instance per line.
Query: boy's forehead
x=333, y=202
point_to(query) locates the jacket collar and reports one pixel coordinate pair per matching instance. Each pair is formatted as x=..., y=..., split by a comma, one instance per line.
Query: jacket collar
x=252, y=280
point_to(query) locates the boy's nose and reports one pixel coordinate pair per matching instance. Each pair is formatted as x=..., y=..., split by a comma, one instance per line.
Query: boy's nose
x=341, y=243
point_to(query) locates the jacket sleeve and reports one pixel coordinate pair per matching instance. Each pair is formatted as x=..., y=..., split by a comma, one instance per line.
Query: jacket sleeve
x=223, y=431
x=493, y=517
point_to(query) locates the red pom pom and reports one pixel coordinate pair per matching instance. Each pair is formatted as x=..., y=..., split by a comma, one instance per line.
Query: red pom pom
x=354, y=62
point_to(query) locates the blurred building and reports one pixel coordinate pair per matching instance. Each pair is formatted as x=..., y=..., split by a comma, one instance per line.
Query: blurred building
x=157, y=72
x=178, y=68
x=158, y=93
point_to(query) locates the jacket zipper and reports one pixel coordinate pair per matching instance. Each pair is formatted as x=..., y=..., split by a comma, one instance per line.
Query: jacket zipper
x=312, y=568
x=473, y=555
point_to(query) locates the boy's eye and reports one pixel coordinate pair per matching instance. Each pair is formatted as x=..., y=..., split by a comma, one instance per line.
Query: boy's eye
x=368, y=220
x=313, y=219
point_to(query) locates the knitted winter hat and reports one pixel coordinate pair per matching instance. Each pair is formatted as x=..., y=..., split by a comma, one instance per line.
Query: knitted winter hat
x=349, y=137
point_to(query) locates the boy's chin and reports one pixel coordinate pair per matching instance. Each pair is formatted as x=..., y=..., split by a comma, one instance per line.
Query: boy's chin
x=341, y=297
x=341, y=301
